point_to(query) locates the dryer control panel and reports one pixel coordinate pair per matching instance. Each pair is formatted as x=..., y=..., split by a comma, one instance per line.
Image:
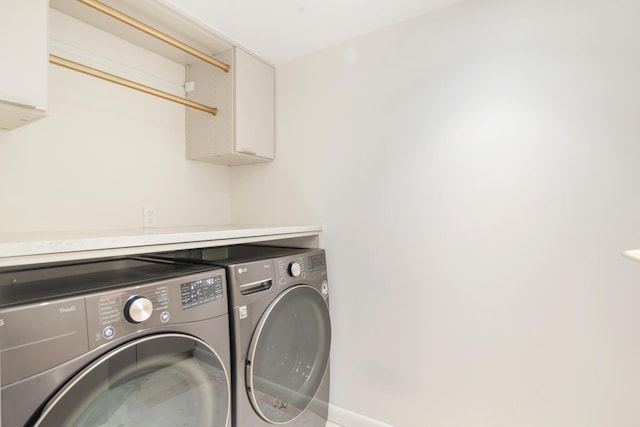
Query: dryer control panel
x=124, y=311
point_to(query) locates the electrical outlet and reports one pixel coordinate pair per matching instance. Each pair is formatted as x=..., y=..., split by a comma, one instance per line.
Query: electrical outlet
x=149, y=217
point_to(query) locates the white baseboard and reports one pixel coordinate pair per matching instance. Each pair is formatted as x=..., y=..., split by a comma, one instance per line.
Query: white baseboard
x=347, y=418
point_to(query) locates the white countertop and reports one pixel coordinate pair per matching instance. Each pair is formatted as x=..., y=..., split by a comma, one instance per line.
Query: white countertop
x=36, y=247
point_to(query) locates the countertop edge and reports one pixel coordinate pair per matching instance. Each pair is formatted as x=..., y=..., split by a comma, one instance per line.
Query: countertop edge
x=24, y=248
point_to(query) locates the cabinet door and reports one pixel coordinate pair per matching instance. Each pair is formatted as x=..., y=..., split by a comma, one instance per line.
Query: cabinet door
x=23, y=61
x=254, y=106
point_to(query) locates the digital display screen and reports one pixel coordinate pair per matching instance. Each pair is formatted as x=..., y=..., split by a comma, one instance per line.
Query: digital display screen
x=317, y=262
x=201, y=291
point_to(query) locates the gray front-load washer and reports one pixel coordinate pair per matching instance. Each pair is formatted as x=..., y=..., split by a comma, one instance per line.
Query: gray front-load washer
x=114, y=342
x=280, y=329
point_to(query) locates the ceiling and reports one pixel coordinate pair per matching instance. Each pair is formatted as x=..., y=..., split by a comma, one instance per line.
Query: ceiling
x=280, y=30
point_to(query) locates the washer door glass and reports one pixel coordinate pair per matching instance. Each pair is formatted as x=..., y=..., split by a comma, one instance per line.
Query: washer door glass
x=289, y=354
x=156, y=381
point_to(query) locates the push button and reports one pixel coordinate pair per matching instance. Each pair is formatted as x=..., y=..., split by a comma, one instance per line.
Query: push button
x=108, y=332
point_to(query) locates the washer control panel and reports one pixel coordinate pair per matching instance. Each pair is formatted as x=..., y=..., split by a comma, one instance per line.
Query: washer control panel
x=291, y=268
x=116, y=313
x=251, y=280
x=309, y=266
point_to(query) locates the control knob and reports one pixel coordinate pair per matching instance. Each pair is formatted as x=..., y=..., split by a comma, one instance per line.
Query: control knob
x=294, y=269
x=137, y=309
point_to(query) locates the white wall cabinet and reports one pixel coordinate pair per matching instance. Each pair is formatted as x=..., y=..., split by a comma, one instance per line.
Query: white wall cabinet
x=23, y=62
x=244, y=129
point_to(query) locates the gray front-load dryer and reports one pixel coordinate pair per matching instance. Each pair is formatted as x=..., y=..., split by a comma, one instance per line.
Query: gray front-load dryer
x=116, y=342
x=281, y=332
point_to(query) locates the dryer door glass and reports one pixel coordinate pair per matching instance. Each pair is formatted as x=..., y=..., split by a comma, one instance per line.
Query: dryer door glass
x=161, y=380
x=289, y=354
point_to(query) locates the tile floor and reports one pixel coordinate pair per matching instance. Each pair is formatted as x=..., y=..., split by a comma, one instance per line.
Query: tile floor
x=330, y=424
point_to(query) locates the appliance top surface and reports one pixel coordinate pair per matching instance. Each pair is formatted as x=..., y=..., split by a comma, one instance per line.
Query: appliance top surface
x=233, y=254
x=36, y=283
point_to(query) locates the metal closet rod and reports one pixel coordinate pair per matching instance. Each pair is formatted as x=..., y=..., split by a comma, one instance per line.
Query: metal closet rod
x=155, y=33
x=130, y=84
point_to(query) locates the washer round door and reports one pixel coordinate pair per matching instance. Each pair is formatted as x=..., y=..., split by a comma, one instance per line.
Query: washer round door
x=159, y=380
x=289, y=354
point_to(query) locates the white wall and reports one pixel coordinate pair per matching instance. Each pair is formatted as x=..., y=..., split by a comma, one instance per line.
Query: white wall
x=476, y=174
x=104, y=151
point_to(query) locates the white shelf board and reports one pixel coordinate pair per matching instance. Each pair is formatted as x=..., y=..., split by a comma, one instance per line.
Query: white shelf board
x=159, y=14
x=633, y=254
x=32, y=248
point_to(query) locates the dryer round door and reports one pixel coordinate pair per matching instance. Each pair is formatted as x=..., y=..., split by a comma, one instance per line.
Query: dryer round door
x=289, y=354
x=159, y=380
